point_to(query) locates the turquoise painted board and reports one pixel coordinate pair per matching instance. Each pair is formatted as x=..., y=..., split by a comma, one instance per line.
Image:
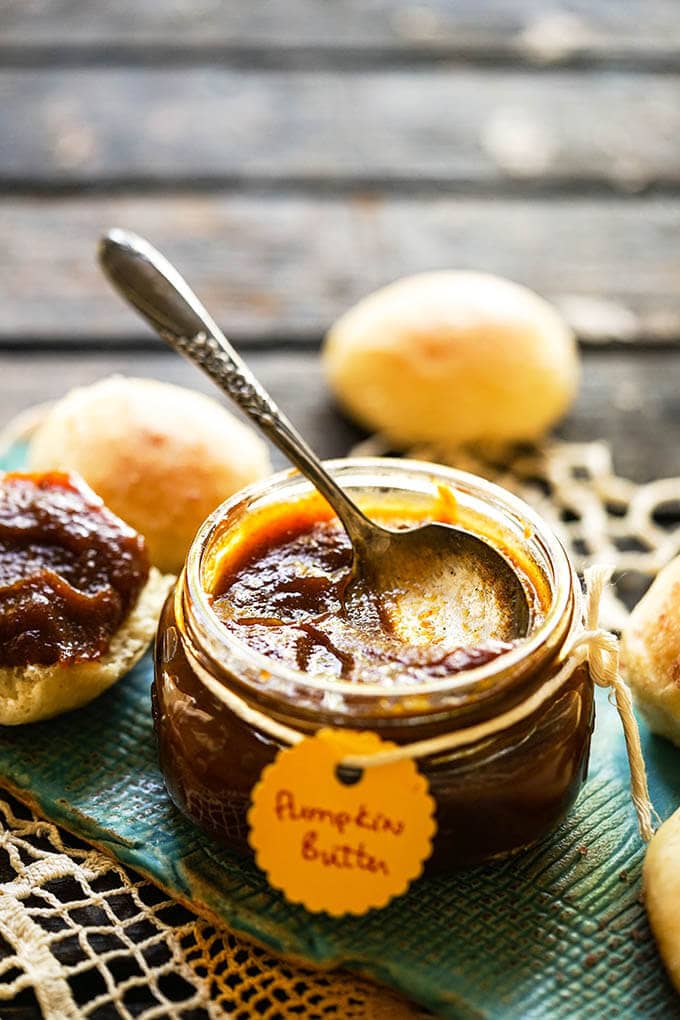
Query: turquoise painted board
x=556, y=932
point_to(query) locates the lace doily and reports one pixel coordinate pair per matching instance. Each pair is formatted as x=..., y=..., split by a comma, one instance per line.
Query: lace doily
x=89, y=939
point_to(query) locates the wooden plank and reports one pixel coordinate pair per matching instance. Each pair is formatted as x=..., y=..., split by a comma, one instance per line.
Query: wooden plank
x=285, y=266
x=443, y=126
x=294, y=380
x=629, y=399
x=526, y=28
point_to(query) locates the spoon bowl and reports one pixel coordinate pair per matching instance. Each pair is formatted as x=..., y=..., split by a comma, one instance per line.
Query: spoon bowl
x=434, y=582
x=421, y=573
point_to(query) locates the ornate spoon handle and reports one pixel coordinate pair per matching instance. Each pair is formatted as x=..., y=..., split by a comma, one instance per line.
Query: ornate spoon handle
x=153, y=286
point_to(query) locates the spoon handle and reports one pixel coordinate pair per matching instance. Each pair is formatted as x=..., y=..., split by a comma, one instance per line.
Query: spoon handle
x=153, y=286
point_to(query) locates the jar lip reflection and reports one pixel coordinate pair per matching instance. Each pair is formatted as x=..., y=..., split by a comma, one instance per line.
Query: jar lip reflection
x=380, y=472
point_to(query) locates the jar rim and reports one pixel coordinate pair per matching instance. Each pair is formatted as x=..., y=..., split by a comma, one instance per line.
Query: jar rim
x=217, y=636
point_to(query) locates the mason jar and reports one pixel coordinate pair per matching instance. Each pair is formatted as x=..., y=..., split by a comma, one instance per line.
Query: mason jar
x=521, y=734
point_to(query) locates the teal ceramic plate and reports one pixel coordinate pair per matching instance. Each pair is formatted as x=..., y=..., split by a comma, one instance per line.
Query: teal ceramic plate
x=556, y=932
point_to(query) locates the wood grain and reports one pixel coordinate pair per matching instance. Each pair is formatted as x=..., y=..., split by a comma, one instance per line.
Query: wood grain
x=523, y=28
x=274, y=266
x=449, y=127
x=294, y=380
x=631, y=400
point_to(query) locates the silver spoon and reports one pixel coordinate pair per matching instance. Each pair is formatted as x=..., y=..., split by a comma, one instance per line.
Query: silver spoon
x=435, y=574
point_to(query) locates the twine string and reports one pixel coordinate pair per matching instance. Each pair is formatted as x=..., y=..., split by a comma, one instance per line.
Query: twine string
x=603, y=658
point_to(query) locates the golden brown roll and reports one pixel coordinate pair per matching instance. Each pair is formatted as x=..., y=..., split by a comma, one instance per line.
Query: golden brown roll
x=79, y=603
x=651, y=654
x=661, y=877
x=160, y=456
x=453, y=357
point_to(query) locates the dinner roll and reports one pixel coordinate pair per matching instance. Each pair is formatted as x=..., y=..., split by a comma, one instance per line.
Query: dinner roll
x=34, y=692
x=160, y=456
x=661, y=880
x=453, y=357
x=651, y=653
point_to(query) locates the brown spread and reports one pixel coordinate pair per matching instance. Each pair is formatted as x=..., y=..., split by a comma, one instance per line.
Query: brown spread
x=70, y=570
x=275, y=575
x=284, y=593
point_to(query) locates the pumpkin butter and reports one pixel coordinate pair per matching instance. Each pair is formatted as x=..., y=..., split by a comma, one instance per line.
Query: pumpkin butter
x=70, y=570
x=285, y=592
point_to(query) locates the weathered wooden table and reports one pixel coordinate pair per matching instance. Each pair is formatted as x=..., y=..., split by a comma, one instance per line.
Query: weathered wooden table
x=292, y=156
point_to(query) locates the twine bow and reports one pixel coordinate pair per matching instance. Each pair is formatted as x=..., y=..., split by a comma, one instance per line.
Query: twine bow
x=603, y=658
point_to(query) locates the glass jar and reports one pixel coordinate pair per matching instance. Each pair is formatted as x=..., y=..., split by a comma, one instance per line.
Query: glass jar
x=495, y=793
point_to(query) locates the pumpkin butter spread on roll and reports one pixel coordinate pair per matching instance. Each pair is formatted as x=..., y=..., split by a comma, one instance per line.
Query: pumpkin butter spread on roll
x=79, y=601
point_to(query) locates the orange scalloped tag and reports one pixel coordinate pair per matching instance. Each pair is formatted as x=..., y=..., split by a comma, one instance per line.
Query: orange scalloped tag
x=334, y=845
